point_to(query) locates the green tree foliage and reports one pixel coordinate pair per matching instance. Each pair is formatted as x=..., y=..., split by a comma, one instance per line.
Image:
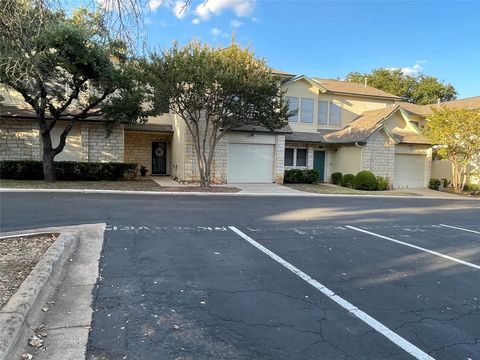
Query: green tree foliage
x=216, y=90
x=421, y=90
x=457, y=135
x=68, y=68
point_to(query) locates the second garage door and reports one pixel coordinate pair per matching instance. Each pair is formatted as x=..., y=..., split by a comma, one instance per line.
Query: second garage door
x=409, y=171
x=250, y=163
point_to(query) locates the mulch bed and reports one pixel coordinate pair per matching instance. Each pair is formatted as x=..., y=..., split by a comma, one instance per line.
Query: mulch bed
x=18, y=256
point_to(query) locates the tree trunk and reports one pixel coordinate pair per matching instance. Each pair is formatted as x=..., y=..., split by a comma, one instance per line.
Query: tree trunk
x=48, y=166
x=47, y=158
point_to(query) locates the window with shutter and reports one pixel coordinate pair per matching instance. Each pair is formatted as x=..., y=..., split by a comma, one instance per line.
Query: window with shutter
x=292, y=106
x=322, y=112
x=306, y=112
x=335, y=114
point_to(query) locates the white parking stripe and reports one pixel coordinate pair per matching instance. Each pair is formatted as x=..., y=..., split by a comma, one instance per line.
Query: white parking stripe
x=459, y=228
x=416, y=247
x=352, y=309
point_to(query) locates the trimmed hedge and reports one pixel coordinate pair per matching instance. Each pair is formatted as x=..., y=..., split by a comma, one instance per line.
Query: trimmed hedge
x=434, y=183
x=365, y=180
x=311, y=176
x=296, y=176
x=337, y=178
x=348, y=180
x=293, y=176
x=65, y=170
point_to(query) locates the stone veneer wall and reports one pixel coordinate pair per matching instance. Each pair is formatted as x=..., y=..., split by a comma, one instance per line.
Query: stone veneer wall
x=378, y=156
x=138, y=148
x=219, y=162
x=19, y=140
x=100, y=147
x=279, y=159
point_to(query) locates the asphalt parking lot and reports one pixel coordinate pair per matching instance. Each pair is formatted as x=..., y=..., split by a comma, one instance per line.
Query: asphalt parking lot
x=279, y=278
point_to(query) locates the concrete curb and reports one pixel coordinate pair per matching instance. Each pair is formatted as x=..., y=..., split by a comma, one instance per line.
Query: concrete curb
x=24, y=307
x=164, y=193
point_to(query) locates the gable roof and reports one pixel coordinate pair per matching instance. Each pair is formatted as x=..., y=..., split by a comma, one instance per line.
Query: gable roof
x=470, y=103
x=347, y=87
x=414, y=108
x=281, y=73
x=361, y=128
x=368, y=123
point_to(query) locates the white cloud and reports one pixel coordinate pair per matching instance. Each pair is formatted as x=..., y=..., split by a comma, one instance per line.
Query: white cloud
x=153, y=5
x=216, y=32
x=241, y=8
x=196, y=21
x=413, y=70
x=180, y=9
x=236, y=23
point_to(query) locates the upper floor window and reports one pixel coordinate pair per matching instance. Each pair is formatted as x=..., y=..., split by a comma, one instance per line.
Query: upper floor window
x=306, y=111
x=335, y=114
x=329, y=113
x=323, y=112
x=292, y=106
x=288, y=157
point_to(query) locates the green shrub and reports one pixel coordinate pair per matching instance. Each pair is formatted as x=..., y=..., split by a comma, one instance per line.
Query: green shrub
x=294, y=176
x=65, y=170
x=365, y=180
x=348, y=180
x=445, y=182
x=337, y=178
x=311, y=176
x=382, y=183
x=434, y=184
x=474, y=188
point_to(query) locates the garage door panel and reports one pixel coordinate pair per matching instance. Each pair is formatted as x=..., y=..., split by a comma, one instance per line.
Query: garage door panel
x=409, y=171
x=250, y=163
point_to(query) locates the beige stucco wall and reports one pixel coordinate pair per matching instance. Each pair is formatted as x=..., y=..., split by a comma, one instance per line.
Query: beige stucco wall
x=347, y=160
x=443, y=169
x=163, y=119
x=138, y=148
x=352, y=106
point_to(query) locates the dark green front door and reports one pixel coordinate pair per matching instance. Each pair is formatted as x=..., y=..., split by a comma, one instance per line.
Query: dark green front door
x=159, y=158
x=319, y=163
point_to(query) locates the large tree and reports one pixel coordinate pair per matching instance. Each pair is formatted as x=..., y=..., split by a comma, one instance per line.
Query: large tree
x=421, y=89
x=215, y=90
x=68, y=68
x=457, y=135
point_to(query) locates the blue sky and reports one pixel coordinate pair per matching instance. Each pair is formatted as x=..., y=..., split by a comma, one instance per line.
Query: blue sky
x=331, y=38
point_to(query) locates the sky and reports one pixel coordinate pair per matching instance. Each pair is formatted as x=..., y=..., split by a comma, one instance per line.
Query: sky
x=331, y=38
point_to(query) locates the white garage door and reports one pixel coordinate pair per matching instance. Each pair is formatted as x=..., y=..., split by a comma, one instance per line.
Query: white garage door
x=409, y=171
x=250, y=163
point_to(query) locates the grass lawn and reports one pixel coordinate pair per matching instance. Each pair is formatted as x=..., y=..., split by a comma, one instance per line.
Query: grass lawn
x=334, y=189
x=132, y=185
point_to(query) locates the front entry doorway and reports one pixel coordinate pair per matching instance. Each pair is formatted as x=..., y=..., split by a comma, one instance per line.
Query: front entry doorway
x=159, y=158
x=319, y=164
